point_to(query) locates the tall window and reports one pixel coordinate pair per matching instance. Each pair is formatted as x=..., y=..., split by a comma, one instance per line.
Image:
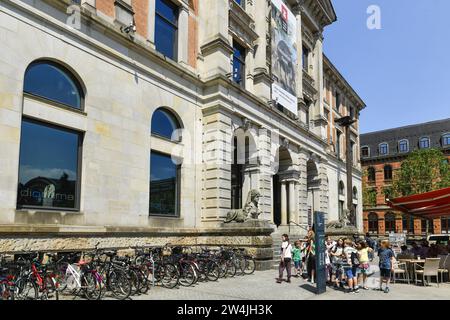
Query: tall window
x=238, y=64
x=373, y=222
x=446, y=140
x=237, y=177
x=384, y=149
x=165, y=124
x=338, y=101
x=341, y=188
x=371, y=174
x=445, y=224
x=166, y=28
x=338, y=144
x=241, y=3
x=52, y=82
x=341, y=208
x=305, y=58
x=403, y=146
x=387, y=172
x=164, y=185
x=365, y=153
x=424, y=143
x=49, y=167
x=408, y=223
x=355, y=193
x=389, y=222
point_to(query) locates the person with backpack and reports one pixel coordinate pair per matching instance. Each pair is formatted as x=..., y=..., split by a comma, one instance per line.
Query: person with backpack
x=337, y=253
x=351, y=263
x=311, y=256
x=286, y=258
x=387, y=258
x=363, y=252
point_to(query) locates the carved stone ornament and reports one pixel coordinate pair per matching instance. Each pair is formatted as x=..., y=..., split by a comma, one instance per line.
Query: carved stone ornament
x=249, y=212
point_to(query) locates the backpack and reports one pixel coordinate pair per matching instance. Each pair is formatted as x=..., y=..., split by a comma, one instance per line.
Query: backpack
x=354, y=259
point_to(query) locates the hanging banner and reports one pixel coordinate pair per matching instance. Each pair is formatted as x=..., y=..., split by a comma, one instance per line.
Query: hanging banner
x=284, y=56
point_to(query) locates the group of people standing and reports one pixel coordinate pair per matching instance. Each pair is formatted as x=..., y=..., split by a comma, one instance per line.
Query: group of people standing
x=347, y=260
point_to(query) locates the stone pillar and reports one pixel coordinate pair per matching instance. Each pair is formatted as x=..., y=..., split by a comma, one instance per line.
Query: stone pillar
x=265, y=176
x=323, y=177
x=303, y=188
x=183, y=37
x=151, y=22
x=284, y=221
x=292, y=211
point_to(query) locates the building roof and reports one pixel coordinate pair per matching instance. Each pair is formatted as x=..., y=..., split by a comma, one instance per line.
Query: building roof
x=433, y=130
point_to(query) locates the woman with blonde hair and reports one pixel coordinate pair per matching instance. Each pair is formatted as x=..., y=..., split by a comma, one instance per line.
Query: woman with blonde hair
x=386, y=256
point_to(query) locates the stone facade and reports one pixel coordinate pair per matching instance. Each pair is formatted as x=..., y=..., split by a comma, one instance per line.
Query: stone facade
x=126, y=79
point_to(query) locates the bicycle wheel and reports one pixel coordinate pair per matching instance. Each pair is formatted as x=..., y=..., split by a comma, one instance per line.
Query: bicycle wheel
x=135, y=282
x=51, y=287
x=231, y=268
x=249, y=265
x=26, y=289
x=223, y=269
x=187, y=275
x=145, y=283
x=119, y=284
x=92, y=287
x=212, y=271
x=169, y=276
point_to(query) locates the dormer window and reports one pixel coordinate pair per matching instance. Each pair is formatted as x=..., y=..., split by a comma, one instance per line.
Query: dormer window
x=424, y=143
x=384, y=149
x=365, y=152
x=403, y=146
x=446, y=140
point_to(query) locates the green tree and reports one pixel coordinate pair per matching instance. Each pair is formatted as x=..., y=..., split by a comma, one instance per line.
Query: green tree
x=369, y=193
x=423, y=171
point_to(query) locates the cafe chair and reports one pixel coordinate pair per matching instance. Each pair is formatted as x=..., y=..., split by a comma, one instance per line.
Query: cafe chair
x=430, y=269
x=444, y=266
x=400, y=268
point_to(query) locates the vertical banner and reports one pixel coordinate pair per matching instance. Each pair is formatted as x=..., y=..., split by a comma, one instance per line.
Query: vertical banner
x=284, y=56
x=321, y=267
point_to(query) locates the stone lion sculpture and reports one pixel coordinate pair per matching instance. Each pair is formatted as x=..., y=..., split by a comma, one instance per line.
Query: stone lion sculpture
x=342, y=223
x=250, y=210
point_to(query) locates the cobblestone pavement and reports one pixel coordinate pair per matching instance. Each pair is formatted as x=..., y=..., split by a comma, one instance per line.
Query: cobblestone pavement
x=262, y=286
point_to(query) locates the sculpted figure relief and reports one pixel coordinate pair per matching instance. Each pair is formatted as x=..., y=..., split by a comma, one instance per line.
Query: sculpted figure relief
x=342, y=223
x=250, y=210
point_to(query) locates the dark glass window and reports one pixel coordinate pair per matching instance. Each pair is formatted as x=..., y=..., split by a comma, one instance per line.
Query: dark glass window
x=445, y=225
x=338, y=144
x=166, y=28
x=164, y=185
x=424, y=143
x=341, y=188
x=241, y=3
x=371, y=174
x=446, y=140
x=365, y=152
x=384, y=149
x=48, y=80
x=305, y=55
x=408, y=223
x=338, y=101
x=403, y=146
x=238, y=63
x=237, y=177
x=388, y=173
x=48, y=167
x=373, y=222
x=164, y=124
x=389, y=222
x=355, y=193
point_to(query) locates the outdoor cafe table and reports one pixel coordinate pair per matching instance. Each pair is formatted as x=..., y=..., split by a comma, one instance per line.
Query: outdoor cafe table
x=411, y=266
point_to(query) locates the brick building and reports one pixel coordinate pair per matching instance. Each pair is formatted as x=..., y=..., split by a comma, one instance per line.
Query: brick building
x=382, y=153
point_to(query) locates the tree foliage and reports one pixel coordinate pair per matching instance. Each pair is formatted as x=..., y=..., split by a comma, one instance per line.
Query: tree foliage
x=424, y=170
x=369, y=194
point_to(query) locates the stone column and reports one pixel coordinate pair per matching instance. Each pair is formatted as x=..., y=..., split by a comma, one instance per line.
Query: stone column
x=283, y=203
x=151, y=22
x=265, y=176
x=303, y=187
x=292, y=201
x=183, y=36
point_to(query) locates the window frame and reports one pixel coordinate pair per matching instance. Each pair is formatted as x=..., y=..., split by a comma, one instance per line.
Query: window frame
x=387, y=149
x=369, y=174
x=239, y=47
x=177, y=122
x=175, y=26
x=391, y=170
x=400, y=146
x=391, y=221
x=425, y=139
x=368, y=152
x=77, y=201
x=445, y=136
x=371, y=220
x=177, y=213
x=70, y=74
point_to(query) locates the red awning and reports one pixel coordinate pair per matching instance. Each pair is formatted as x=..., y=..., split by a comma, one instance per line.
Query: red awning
x=427, y=205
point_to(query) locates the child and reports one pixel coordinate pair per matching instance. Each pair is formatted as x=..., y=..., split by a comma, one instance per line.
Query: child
x=351, y=265
x=386, y=256
x=336, y=254
x=297, y=257
x=286, y=257
x=363, y=251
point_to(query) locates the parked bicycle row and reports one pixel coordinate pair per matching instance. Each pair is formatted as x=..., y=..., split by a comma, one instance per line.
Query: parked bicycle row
x=104, y=273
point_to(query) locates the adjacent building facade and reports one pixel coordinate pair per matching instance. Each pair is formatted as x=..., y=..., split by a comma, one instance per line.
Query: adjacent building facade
x=382, y=154
x=151, y=119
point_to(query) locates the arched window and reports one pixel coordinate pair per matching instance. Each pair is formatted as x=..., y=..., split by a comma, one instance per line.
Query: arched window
x=365, y=152
x=408, y=223
x=371, y=174
x=355, y=193
x=384, y=149
x=341, y=188
x=373, y=222
x=164, y=124
x=389, y=222
x=446, y=140
x=403, y=146
x=424, y=143
x=51, y=81
x=387, y=172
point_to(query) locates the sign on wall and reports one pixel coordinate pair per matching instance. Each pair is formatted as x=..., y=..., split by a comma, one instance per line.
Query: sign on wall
x=284, y=56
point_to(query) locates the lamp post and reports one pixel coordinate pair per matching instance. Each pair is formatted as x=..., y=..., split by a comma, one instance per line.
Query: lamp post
x=346, y=122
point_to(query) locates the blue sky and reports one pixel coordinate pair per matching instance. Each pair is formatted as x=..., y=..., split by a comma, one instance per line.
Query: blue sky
x=401, y=71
